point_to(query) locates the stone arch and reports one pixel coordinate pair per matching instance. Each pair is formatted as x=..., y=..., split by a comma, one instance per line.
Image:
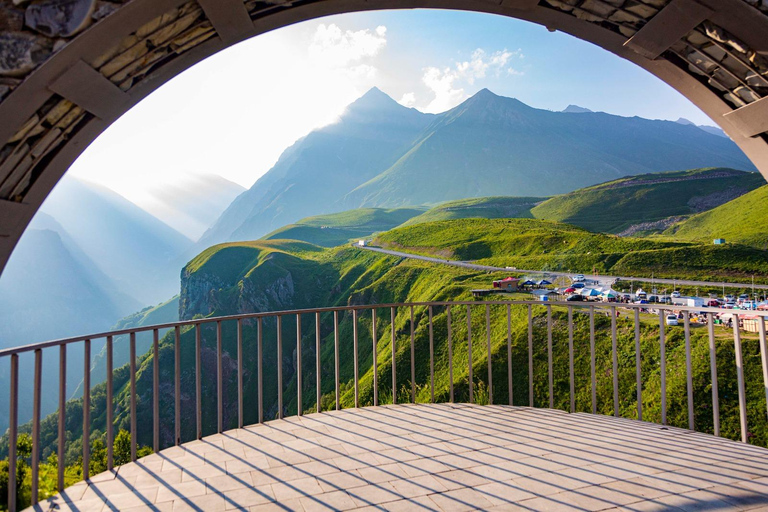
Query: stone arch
x=69, y=68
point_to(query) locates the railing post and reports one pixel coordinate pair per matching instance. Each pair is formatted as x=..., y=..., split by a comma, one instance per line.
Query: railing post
x=279, y=367
x=394, y=356
x=571, y=376
x=592, y=374
x=299, y=379
x=763, y=354
x=663, y=365
x=177, y=384
x=638, y=367
x=219, y=381
x=336, y=355
x=615, y=362
x=550, y=371
x=509, y=353
x=413, y=362
x=431, y=358
x=260, y=366
x=469, y=355
x=239, y=373
x=86, y=440
x=375, y=365
x=198, y=382
x=713, y=371
x=155, y=391
x=134, y=433
x=530, y=356
x=36, y=425
x=688, y=369
x=740, y=379
x=110, y=404
x=318, y=367
x=13, y=418
x=490, y=363
x=354, y=357
x=62, y=434
x=450, y=352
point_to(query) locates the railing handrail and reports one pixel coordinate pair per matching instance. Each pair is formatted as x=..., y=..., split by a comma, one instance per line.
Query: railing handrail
x=329, y=309
x=660, y=310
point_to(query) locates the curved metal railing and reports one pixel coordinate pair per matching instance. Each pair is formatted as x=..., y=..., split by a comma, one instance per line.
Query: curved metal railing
x=759, y=318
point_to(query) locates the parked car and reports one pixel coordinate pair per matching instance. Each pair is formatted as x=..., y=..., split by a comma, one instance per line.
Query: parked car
x=665, y=300
x=578, y=278
x=713, y=303
x=672, y=320
x=730, y=304
x=578, y=285
x=728, y=297
x=675, y=294
x=575, y=298
x=653, y=298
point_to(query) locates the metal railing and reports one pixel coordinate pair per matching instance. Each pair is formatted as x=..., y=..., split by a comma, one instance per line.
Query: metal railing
x=449, y=308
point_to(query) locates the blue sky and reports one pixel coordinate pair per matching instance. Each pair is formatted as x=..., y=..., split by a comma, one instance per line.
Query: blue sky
x=234, y=114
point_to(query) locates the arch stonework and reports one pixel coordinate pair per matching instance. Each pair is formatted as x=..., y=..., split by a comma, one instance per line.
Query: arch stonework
x=69, y=68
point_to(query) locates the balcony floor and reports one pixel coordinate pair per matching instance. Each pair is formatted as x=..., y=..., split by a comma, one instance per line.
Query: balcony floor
x=445, y=457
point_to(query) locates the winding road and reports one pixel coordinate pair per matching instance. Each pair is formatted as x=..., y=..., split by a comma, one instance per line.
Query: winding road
x=602, y=278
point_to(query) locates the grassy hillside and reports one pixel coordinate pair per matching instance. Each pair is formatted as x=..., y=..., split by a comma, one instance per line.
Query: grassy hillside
x=479, y=207
x=738, y=221
x=339, y=228
x=545, y=245
x=641, y=201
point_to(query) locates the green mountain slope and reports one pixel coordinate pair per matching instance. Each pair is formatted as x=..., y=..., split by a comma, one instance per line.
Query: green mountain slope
x=479, y=207
x=491, y=145
x=738, y=221
x=646, y=202
x=546, y=245
x=338, y=228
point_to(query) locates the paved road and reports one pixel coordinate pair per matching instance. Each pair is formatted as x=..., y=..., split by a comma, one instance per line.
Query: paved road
x=602, y=278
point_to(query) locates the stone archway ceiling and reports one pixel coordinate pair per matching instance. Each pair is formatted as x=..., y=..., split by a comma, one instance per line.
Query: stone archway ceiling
x=33, y=32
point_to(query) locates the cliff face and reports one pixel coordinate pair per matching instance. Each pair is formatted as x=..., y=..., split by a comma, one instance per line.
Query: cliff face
x=239, y=279
x=203, y=293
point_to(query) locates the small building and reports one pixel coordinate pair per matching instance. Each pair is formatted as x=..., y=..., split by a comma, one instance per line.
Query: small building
x=544, y=295
x=362, y=243
x=509, y=284
x=719, y=241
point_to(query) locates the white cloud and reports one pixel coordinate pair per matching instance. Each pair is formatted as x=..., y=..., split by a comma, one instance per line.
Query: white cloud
x=335, y=47
x=408, y=99
x=446, y=84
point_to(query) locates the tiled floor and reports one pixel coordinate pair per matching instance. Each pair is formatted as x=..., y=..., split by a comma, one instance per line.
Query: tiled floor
x=438, y=457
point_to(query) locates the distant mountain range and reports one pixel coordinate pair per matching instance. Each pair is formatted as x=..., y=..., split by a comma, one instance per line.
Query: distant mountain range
x=381, y=154
x=191, y=204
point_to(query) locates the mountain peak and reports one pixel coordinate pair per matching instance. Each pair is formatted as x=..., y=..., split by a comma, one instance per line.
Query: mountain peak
x=684, y=121
x=575, y=109
x=373, y=99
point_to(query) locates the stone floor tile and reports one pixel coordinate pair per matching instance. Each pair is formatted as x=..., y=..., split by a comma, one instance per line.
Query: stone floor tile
x=460, y=500
x=296, y=489
x=223, y=483
x=245, y=498
x=374, y=494
x=183, y=490
x=335, y=500
x=283, y=506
